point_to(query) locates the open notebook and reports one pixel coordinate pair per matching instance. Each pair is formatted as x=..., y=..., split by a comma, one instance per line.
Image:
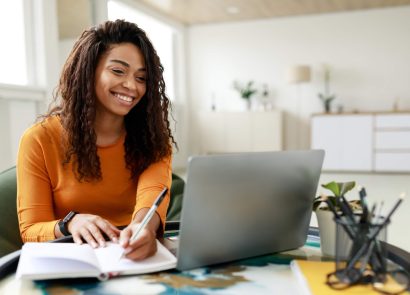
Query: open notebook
x=40, y=261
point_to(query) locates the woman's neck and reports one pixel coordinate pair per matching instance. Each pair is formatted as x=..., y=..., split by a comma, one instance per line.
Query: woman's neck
x=108, y=129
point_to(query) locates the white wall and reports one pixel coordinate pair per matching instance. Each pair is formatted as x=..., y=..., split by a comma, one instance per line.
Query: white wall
x=368, y=51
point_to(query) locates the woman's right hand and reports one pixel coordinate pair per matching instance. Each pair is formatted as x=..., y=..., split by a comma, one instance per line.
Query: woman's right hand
x=91, y=228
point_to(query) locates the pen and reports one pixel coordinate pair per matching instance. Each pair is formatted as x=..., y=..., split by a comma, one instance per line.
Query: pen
x=371, y=215
x=332, y=208
x=387, y=218
x=345, y=207
x=396, y=205
x=379, y=215
x=363, y=203
x=148, y=216
x=372, y=236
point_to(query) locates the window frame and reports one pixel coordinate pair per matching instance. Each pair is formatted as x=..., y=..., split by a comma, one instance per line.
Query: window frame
x=41, y=38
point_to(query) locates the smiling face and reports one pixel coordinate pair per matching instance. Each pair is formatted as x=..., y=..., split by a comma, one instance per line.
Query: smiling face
x=120, y=80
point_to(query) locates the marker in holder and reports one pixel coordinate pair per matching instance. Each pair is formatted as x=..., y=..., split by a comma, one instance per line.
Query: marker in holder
x=361, y=255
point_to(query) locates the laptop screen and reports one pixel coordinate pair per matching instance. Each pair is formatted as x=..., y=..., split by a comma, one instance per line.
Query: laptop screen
x=246, y=204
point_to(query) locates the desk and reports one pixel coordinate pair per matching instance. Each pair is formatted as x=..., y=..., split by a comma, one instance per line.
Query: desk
x=268, y=274
x=250, y=276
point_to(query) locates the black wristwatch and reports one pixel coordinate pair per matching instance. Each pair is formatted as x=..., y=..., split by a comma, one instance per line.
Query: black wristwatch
x=63, y=224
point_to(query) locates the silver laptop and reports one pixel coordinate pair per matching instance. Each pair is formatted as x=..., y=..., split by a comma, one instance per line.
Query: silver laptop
x=246, y=204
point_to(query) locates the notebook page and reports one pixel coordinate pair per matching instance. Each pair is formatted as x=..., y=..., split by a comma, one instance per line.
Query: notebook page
x=109, y=259
x=51, y=260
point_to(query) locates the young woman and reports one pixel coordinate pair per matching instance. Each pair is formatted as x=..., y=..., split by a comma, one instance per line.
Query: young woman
x=100, y=157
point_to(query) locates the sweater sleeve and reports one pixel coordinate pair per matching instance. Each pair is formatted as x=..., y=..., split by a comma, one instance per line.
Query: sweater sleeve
x=150, y=183
x=34, y=193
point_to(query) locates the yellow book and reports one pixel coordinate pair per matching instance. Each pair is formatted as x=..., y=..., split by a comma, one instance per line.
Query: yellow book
x=312, y=276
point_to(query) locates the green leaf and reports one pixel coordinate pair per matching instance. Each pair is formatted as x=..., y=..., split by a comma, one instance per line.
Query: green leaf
x=320, y=199
x=339, y=188
x=330, y=98
x=333, y=187
x=332, y=200
x=245, y=91
x=316, y=202
x=346, y=186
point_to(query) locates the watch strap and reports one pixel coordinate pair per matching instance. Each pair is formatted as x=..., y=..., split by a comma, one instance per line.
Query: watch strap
x=63, y=224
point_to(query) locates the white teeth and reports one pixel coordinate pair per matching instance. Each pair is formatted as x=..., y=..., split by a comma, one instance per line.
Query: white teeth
x=123, y=97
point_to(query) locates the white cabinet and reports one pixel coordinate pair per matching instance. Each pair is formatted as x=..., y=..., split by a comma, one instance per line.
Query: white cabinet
x=346, y=139
x=225, y=132
x=377, y=142
x=392, y=143
x=399, y=120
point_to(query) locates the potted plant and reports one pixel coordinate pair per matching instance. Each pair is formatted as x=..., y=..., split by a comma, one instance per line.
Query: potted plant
x=327, y=226
x=326, y=97
x=246, y=92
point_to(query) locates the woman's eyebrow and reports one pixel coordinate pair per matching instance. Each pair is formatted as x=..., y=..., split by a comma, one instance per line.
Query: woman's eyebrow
x=125, y=64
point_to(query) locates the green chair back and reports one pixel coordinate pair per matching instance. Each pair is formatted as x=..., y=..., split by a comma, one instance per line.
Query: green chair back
x=175, y=204
x=10, y=239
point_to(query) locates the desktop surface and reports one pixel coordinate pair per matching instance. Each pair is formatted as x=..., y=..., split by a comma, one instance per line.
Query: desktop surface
x=267, y=274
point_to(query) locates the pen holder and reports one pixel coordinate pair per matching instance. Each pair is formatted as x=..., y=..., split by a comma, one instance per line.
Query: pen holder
x=359, y=249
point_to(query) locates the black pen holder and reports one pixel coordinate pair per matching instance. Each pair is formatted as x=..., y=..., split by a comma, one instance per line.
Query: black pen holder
x=360, y=248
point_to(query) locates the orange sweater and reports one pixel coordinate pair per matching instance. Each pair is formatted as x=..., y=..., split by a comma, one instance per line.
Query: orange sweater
x=47, y=190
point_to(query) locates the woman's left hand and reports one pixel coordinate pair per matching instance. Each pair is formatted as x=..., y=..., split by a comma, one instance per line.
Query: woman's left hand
x=144, y=246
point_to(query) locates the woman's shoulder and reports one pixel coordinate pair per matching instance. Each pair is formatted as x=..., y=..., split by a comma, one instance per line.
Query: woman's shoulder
x=46, y=128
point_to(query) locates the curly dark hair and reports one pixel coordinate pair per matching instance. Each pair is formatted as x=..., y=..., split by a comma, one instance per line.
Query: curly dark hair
x=148, y=134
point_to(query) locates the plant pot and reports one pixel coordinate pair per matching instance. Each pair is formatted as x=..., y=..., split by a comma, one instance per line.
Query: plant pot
x=248, y=103
x=327, y=233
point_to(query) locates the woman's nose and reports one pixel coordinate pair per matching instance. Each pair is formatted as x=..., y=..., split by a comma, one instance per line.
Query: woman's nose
x=129, y=83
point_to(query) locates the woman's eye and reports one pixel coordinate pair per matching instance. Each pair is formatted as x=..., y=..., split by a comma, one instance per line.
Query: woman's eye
x=140, y=79
x=118, y=71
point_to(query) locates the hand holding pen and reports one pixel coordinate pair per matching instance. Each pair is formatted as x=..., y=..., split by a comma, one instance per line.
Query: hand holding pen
x=139, y=231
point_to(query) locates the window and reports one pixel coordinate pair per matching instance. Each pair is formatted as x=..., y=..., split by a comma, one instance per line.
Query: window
x=13, y=58
x=160, y=34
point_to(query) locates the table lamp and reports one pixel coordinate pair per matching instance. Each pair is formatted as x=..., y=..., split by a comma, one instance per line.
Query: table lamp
x=298, y=74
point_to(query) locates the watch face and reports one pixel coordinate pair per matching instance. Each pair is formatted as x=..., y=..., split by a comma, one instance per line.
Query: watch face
x=69, y=216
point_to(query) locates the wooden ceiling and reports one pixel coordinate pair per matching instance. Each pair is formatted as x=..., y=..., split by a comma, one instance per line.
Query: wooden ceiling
x=191, y=12
x=75, y=15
